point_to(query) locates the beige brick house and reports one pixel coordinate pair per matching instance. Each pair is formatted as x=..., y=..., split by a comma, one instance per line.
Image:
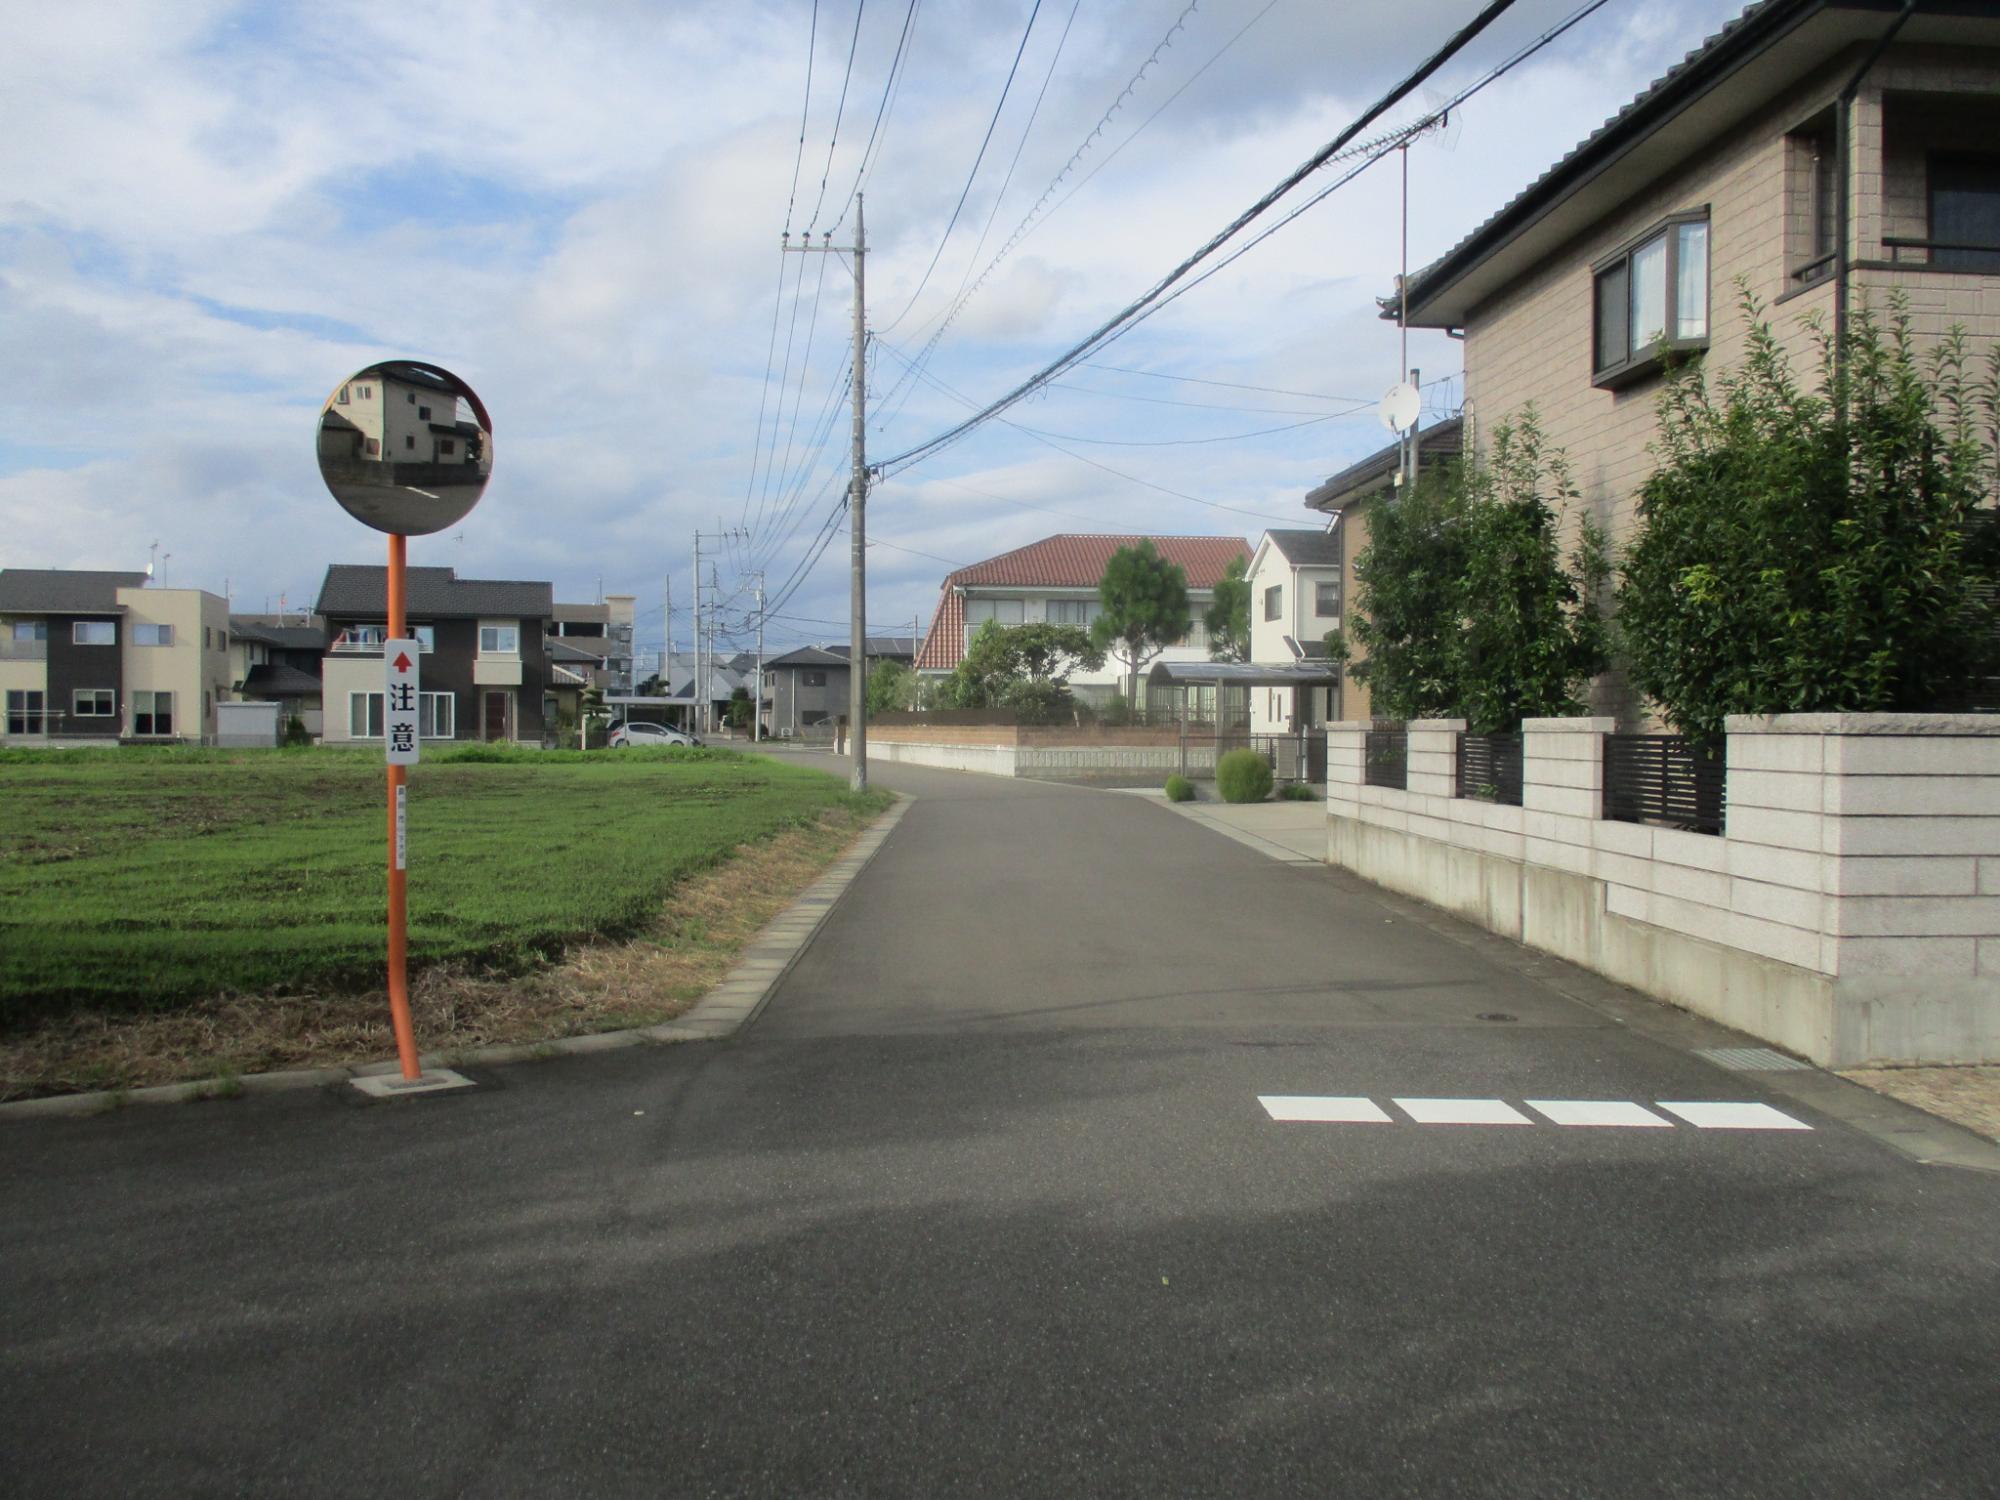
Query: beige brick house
x=1726, y=174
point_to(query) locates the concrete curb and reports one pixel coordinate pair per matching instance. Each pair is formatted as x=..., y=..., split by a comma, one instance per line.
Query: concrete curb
x=731, y=1005
x=1283, y=853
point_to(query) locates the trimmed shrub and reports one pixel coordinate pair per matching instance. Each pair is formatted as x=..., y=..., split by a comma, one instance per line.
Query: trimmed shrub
x=1179, y=789
x=1297, y=791
x=1243, y=776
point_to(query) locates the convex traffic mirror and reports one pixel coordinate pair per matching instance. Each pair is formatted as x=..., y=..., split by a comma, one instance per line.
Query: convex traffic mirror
x=405, y=447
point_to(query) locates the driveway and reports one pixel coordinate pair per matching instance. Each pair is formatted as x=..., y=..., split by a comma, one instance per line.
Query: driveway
x=988, y=1201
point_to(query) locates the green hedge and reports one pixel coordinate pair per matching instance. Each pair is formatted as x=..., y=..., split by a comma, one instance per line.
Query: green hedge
x=1180, y=789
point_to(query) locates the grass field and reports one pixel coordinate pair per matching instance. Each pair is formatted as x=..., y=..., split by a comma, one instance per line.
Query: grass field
x=139, y=879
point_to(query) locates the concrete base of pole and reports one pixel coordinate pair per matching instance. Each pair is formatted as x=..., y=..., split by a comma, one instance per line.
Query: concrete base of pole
x=395, y=1085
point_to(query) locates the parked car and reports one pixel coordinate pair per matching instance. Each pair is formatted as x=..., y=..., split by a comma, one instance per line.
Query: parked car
x=639, y=733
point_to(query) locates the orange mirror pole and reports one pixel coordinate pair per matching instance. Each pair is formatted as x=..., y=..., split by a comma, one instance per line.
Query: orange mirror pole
x=399, y=903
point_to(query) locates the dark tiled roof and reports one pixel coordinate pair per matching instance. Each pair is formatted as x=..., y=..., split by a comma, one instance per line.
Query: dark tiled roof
x=1436, y=444
x=352, y=590
x=62, y=590
x=284, y=637
x=271, y=681
x=1307, y=549
x=808, y=656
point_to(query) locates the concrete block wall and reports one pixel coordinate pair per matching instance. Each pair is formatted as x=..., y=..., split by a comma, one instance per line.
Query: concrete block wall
x=1851, y=912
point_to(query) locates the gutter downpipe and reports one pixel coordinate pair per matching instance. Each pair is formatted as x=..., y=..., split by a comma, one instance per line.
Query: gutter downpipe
x=1844, y=153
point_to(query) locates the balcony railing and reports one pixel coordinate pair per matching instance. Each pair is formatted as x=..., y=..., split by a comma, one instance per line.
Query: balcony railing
x=13, y=650
x=1943, y=255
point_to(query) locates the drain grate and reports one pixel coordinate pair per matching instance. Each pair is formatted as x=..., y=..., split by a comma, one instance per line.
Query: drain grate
x=1752, y=1060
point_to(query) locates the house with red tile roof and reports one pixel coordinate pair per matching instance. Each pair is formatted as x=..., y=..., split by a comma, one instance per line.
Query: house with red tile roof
x=1055, y=581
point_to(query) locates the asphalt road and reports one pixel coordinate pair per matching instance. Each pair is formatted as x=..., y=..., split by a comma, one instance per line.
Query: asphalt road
x=985, y=1202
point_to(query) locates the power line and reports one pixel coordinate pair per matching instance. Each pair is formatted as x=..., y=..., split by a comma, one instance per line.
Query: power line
x=1231, y=437
x=812, y=43
x=969, y=176
x=1260, y=411
x=1234, y=385
x=1136, y=310
x=889, y=90
x=839, y=110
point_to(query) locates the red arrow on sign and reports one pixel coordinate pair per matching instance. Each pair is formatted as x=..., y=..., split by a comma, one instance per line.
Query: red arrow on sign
x=402, y=661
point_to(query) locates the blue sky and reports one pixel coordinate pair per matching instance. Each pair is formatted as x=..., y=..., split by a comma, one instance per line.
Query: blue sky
x=212, y=213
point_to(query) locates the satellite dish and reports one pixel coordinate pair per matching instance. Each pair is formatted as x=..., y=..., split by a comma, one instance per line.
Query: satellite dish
x=1401, y=406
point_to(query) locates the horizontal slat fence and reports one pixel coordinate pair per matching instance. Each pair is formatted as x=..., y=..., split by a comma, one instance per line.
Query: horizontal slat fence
x=1489, y=768
x=1664, y=780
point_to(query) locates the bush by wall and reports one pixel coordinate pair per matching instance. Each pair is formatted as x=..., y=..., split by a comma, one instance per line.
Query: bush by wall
x=1180, y=789
x=1243, y=776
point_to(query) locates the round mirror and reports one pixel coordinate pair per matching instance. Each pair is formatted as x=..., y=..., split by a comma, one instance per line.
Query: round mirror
x=405, y=447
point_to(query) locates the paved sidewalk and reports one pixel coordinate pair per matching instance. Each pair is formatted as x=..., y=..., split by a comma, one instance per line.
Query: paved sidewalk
x=1294, y=832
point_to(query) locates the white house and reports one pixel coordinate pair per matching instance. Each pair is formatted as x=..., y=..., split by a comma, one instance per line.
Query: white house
x=1295, y=599
x=1054, y=581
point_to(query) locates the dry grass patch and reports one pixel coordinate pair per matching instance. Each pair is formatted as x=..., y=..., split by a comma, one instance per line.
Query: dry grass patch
x=596, y=986
x=1965, y=1096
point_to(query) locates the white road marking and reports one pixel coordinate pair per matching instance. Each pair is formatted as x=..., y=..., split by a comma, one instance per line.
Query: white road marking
x=1720, y=1116
x=1337, y=1111
x=1610, y=1112
x=1462, y=1112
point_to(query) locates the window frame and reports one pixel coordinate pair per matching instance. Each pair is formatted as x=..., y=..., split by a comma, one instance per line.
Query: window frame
x=1647, y=359
x=104, y=701
x=163, y=635
x=1965, y=262
x=152, y=712
x=1321, y=586
x=1274, y=602
x=77, y=627
x=496, y=628
x=30, y=630
x=36, y=715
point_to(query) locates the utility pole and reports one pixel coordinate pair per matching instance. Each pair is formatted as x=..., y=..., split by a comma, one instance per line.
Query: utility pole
x=757, y=696
x=857, y=498
x=667, y=651
x=695, y=689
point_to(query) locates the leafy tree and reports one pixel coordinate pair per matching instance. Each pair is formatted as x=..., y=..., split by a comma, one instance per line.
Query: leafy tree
x=591, y=711
x=1534, y=629
x=1814, y=550
x=1228, y=618
x=737, y=716
x=1022, y=666
x=891, y=686
x=1465, y=604
x=1409, y=599
x=1145, y=609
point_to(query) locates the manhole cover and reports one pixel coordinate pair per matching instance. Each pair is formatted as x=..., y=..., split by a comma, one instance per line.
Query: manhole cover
x=1496, y=1015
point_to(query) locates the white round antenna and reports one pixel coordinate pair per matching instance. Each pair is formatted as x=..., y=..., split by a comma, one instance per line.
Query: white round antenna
x=1401, y=406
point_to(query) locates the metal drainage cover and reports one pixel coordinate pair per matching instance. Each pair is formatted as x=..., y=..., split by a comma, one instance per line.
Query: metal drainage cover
x=1752, y=1060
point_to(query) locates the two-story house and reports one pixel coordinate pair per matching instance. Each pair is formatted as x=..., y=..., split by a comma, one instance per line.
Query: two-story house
x=1818, y=154
x=484, y=672
x=811, y=686
x=604, y=631
x=1055, y=581
x=1295, y=580
x=101, y=658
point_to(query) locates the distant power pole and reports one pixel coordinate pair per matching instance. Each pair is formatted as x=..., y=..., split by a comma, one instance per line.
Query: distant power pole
x=857, y=499
x=667, y=651
x=698, y=717
x=757, y=697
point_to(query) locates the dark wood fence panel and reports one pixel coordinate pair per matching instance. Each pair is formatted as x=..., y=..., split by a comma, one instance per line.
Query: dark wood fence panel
x=1489, y=768
x=1664, y=780
x=1386, y=758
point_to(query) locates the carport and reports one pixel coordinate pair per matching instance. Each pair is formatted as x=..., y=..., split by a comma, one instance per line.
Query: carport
x=1211, y=702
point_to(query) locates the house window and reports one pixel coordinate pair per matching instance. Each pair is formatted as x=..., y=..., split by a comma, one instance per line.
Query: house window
x=1651, y=300
x=1274, y=601
x=152, y=635
x=409, y=440
x=1195, y=636
x=1813, y=191
x=813, y=716
x=364, y=716
x=94, y=633
x=447, y=445
x=1073, y=611
x=341, y=399
x=437, y=715
x=222, y=640
x=367, y=392
x=207, y=707
x=26, y=712
x=812, y=679
x=499, y=640
x=374, y=447
x=1965, y=212
x=411, y=397
x=207, y=638
x=1326, y=598
x=31, y=630
x=152, y=713
x=423, y=414
x=1003, y=612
